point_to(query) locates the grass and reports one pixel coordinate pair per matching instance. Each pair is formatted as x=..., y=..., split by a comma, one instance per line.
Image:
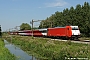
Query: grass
x=51, y=50
x=4, y=53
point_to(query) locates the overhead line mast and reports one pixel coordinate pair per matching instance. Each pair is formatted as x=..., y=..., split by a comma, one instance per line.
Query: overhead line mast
x=32, y=22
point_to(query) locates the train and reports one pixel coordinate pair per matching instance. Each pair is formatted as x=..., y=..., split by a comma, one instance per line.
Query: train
x=69, y=32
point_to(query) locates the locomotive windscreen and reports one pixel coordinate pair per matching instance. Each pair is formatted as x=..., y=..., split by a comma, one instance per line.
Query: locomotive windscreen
x=74, y=28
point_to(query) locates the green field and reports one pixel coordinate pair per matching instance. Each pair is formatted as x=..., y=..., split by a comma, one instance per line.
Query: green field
x=4, y=53
x=45, y=48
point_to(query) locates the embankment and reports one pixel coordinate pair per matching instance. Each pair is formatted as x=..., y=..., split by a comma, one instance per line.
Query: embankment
x=4, y=52
x=45, y=48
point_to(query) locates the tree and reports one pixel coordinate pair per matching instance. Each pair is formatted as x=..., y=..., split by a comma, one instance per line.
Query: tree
x=72, y=15
x=79, y=16
x=86, y=18
x=25, y=26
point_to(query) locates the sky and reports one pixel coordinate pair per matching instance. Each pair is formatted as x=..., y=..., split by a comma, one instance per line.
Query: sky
x=15, y=12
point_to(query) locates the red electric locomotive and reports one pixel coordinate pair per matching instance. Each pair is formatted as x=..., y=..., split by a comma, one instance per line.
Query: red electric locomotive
x=66, y=32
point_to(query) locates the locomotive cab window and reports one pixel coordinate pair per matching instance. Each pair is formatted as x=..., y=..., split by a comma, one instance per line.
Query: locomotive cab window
x=74, y=28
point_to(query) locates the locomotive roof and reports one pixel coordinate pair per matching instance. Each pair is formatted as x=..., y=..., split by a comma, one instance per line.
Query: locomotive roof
x=56, y=27
x=74, y=26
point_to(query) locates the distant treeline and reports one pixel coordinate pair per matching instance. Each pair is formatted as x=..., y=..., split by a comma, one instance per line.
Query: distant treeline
x=79, y=16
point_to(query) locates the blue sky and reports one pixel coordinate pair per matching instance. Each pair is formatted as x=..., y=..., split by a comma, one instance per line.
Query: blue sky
x=15, y=12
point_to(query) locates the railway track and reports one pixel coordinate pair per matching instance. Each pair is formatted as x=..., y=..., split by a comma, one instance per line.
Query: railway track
x=75, y=41
x=57, y=39
x=81, y=41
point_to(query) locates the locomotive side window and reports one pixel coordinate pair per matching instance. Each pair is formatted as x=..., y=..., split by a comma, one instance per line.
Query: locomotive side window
x=68, y=28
